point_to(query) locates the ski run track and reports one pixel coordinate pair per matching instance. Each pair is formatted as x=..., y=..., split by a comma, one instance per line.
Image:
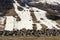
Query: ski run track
x=28, y=19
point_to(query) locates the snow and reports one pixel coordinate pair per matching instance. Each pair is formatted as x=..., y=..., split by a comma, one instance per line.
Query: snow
x=26, y=19
x=53, y=2
x=25, y=24
x=42, y=14
x=39, y=27
x=10, y=21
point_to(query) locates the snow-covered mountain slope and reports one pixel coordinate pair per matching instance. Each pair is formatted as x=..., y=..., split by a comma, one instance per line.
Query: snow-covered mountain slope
x=31, y=16
x=28, y=14
x=53, y=2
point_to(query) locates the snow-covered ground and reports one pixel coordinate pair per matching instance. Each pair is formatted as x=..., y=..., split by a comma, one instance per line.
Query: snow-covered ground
x=26, y=19
x=10, y=23
x=53, y=2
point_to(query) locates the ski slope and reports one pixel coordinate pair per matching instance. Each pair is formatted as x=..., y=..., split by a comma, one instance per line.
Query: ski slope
x=25, y=17
x=27, y=20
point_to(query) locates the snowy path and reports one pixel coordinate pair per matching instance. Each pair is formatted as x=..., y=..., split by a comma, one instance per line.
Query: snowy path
x=26, y=19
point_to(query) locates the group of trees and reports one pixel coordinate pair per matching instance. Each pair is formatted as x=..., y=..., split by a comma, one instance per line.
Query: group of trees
x=34, y=32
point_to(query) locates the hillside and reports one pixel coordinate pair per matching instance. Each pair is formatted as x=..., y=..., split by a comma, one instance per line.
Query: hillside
x=17, y=15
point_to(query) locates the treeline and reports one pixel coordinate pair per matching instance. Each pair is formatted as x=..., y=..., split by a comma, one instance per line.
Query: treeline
x=24, y=32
